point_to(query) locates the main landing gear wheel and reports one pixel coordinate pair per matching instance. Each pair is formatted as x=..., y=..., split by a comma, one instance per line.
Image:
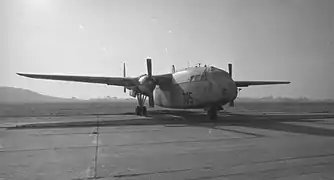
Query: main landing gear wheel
x=212, y=113
x=141, y=110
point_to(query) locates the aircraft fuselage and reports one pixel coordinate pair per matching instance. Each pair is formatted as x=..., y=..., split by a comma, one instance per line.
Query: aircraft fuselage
x=196, y=87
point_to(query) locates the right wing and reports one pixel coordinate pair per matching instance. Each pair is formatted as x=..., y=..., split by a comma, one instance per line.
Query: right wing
x=252, y=83
x=117, y=81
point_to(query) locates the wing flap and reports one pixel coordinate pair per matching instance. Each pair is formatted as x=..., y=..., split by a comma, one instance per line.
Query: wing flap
x=256, y=83
x=117, y=81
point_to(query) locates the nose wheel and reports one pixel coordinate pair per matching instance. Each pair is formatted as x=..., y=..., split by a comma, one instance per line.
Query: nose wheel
x=212, y=112
x=141, y=110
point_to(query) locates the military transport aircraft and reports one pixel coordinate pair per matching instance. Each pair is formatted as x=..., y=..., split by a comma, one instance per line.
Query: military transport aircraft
x=205, y=87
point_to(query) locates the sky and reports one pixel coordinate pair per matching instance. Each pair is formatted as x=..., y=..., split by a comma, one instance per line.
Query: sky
x=289, y=40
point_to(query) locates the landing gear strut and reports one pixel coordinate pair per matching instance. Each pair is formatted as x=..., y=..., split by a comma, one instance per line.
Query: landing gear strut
x=141, y=109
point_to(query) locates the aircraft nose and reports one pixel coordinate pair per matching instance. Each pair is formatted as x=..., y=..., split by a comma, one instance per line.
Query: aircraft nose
x=232, y=89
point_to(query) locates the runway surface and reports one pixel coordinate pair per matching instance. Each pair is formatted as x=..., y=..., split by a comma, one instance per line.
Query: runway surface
x=168, y=145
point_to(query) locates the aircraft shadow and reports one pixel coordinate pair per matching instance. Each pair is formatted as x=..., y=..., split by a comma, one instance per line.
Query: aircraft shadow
x=199, y=119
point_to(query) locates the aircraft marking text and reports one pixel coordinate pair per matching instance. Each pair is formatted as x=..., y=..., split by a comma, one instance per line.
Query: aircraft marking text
x=187, y=98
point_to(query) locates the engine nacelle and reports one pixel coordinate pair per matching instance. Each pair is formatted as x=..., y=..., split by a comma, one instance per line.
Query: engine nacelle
x=146, y=85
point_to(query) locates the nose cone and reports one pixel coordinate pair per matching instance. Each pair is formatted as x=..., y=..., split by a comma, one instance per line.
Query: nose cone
x=226, y=86
x=233, y=90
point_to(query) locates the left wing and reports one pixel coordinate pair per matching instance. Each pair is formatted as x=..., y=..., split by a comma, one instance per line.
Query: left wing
x=117, y=81
x=253, y=83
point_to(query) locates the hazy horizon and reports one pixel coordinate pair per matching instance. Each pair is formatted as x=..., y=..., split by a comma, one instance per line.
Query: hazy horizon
x=289, y=40
x=16, y=95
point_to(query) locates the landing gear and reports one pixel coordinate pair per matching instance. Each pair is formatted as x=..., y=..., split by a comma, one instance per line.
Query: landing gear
x=141, y=110
x=212, y=112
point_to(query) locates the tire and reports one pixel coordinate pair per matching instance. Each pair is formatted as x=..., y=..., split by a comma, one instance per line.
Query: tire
x=137, y=110
x=212, y=114
x=144, y=111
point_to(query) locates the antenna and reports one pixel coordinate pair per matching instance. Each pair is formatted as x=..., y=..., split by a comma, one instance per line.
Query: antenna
x=124, y=75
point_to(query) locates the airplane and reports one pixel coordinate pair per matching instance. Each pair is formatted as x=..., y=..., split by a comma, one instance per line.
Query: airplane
x=199, y=87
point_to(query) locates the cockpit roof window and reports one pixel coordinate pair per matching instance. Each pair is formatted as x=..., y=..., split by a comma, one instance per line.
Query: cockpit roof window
x=212, y=68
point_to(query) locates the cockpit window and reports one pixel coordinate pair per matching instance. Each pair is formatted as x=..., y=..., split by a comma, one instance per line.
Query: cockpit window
x=212, y=68
x=195, y=78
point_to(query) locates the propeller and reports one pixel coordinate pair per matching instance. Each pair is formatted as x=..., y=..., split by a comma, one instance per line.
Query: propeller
x=230, y=70
x=231, y=103
x=151, y=80
x=149, y=68
x=124, y=74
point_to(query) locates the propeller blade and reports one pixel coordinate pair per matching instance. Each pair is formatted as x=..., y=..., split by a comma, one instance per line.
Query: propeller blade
x=151, y=101
x=124, y=74
x=149, y=75
x=230, y=70
x=149, y=67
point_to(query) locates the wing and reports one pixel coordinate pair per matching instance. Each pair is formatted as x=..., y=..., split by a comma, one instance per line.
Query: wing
x=117, y=81
x=163, y=79
x=255, y=83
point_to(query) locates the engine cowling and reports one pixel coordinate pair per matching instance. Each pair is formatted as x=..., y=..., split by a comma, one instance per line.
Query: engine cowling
x=147, y=85
x=132, y=93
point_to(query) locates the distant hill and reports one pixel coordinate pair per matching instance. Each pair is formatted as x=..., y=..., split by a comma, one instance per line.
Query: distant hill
x=18, y=95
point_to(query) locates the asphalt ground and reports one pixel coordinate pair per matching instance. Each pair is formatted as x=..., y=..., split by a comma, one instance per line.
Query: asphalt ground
x=168, y=145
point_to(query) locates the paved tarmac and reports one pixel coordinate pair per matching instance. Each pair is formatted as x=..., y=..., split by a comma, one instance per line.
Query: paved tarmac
x=166, y=145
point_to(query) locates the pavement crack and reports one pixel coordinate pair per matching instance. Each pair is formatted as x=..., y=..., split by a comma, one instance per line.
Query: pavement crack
x=150, y=173
x=295, y=158
x=240, y=132
x=260, y=171
x=96, y=148
x=185, y=141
